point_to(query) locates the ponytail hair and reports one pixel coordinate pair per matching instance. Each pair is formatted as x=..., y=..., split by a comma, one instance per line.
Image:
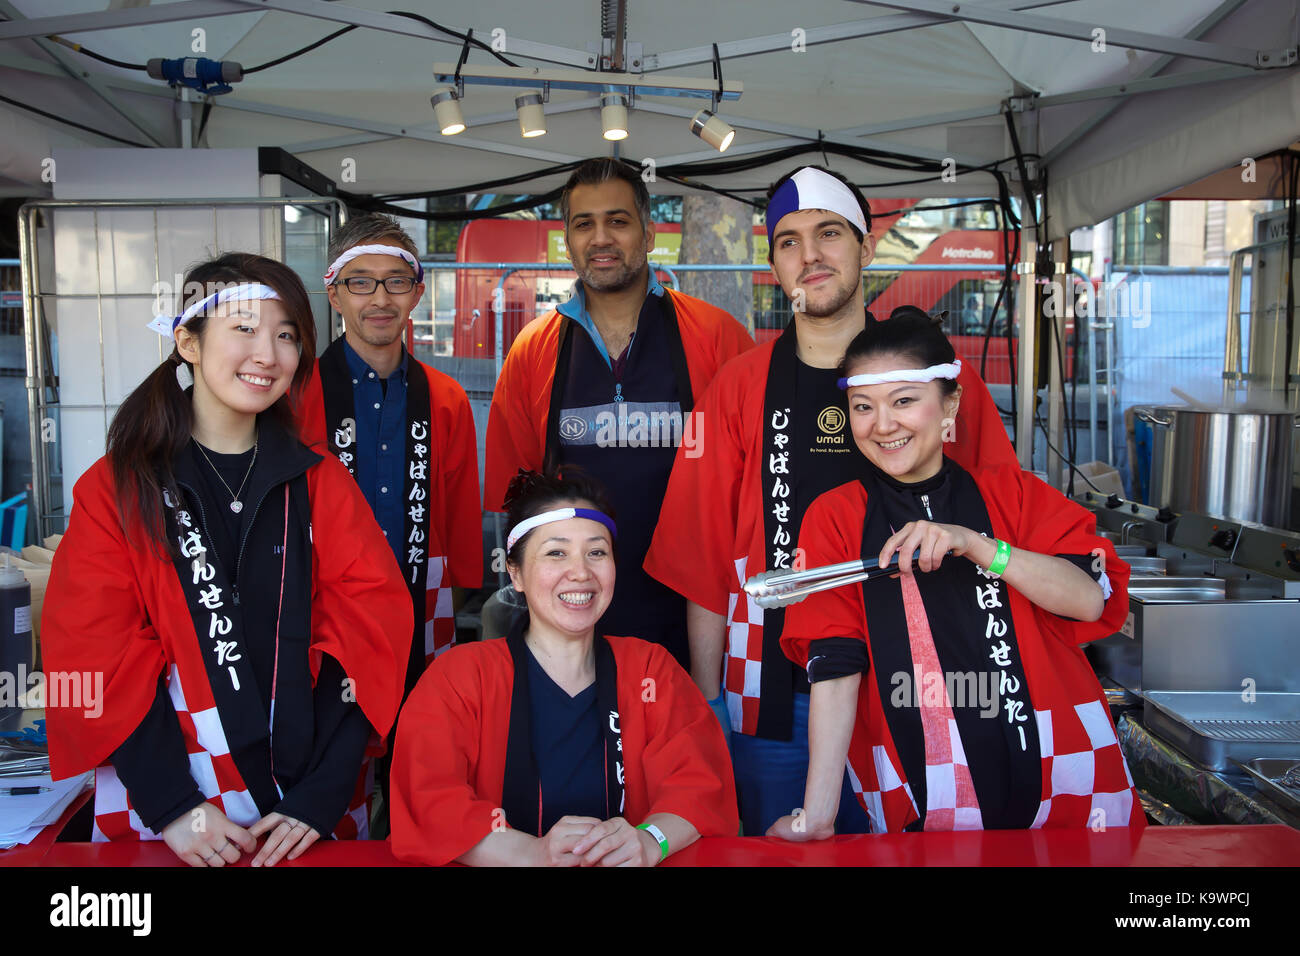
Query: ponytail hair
x=155, y=422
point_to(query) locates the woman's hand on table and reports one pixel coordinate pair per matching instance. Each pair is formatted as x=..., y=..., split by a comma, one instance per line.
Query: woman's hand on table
x=287, y=836
x=934, y=541
x=557, y=848
x=206, y=837
x=615, y=842
x=797, y=828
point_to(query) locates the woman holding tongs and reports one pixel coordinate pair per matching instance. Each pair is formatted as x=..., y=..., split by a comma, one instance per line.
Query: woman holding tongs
x=954, y=682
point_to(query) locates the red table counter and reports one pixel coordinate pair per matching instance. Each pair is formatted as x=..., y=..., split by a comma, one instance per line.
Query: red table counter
x=1150, y=846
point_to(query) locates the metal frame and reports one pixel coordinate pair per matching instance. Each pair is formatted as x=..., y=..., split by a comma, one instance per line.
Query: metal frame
x=91, y=81
x=832, y=33
x=1208, y=23
x=38, y=367
x=1079, y=30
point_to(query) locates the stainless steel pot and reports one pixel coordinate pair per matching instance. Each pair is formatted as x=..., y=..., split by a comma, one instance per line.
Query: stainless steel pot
x=1222, y=462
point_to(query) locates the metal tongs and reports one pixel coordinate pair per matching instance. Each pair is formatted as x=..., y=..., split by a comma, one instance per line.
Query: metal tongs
x=779, y=588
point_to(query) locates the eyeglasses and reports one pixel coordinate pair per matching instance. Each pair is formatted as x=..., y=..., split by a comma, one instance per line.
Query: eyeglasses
x=365, y=285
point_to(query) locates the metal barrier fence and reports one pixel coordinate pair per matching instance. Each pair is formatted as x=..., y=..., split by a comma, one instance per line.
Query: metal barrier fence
x=1162, y=324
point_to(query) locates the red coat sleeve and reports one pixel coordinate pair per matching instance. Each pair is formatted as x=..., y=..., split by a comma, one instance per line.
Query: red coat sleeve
x=462, y=522
x=982, y=440
x=694, y=540
x=95, y=621
x=831, y=533
x=1048, y=522
x=309, y=411
x=686, y=762
x=360, y=607
x=711, y=338
x=436, y=814
x=516, y=432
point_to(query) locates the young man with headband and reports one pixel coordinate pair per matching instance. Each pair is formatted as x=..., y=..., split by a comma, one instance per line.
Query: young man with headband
x=403, y=429
x=776, y=438
x=608, y=381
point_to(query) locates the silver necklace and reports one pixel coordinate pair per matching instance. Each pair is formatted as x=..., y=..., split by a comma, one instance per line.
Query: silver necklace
x=235, y=505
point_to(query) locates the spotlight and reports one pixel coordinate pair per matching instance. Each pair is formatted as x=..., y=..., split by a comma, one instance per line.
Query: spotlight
x=446, y=110
x=613, y=115
x=712, y=130
x=532, y=121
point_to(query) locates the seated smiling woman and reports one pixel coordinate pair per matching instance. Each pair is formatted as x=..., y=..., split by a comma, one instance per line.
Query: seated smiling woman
x=957, y=688
x=545, y=747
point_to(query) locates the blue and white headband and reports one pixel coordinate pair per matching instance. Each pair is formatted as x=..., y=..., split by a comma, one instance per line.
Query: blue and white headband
x=166, y=325
x=348, y=255
x=813, y=189
x=919, y=375
x=559, y=514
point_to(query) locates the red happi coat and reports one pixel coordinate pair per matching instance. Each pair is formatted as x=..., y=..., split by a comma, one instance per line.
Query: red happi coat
x=711, y=536
x=449, y=762
x=1083, y=769
x=455, y=538
x=119, y=610
x=521, y=404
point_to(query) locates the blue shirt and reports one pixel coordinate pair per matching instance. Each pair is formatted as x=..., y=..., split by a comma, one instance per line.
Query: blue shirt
x=381, y=444
x=576, y=309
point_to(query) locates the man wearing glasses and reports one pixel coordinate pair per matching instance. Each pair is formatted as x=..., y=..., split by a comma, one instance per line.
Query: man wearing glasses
x=403, y=429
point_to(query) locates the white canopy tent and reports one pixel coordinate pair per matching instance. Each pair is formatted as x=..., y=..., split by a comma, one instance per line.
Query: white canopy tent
x=1112, y=102
x=1120, y=101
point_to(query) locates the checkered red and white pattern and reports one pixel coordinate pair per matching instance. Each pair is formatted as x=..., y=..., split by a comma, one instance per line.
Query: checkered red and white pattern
x=439, y=618
x=217, y=778
x=881, y=790
x=1086, y=781
x=355, y=824
x=211, y=767
x=950, y=799
x=744, y=661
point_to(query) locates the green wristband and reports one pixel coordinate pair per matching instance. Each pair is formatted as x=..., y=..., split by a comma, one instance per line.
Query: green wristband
x=658, y=834
x=1000, y=559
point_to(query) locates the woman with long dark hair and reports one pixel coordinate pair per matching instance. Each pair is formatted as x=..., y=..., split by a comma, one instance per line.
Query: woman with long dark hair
x=957, y=687
x=232, y=588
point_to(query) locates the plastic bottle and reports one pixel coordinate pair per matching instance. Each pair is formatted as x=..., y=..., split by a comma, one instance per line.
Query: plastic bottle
x=500, y=611
x=15, y=640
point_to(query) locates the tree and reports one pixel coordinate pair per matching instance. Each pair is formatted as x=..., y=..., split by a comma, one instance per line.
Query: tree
x=718, y=230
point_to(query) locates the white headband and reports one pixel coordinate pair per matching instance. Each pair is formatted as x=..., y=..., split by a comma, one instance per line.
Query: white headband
x=920, y=375
x=166, y=325
x=373, y=250
x=811, y=188
x=559, y=514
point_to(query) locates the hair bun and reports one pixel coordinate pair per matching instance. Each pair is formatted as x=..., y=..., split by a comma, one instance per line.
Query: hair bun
x=523, y=483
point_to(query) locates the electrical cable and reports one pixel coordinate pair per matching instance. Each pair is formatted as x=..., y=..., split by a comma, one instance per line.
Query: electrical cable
x=143, y=68
x=68, y=122
x=297, y=53
x=1048, y=442
x=78, y=48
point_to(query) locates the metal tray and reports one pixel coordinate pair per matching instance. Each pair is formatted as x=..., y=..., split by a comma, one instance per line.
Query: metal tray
x=1218, y=727
x=1185, y=590
x=1146, y=567
x=1267, y=773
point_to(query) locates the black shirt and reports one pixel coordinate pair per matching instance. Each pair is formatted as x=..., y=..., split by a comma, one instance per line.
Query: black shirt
x=152, y=762
x=568, y=748
x=824, y=455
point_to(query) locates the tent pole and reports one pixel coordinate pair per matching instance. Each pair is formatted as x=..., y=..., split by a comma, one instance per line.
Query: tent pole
x=1056, y=418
